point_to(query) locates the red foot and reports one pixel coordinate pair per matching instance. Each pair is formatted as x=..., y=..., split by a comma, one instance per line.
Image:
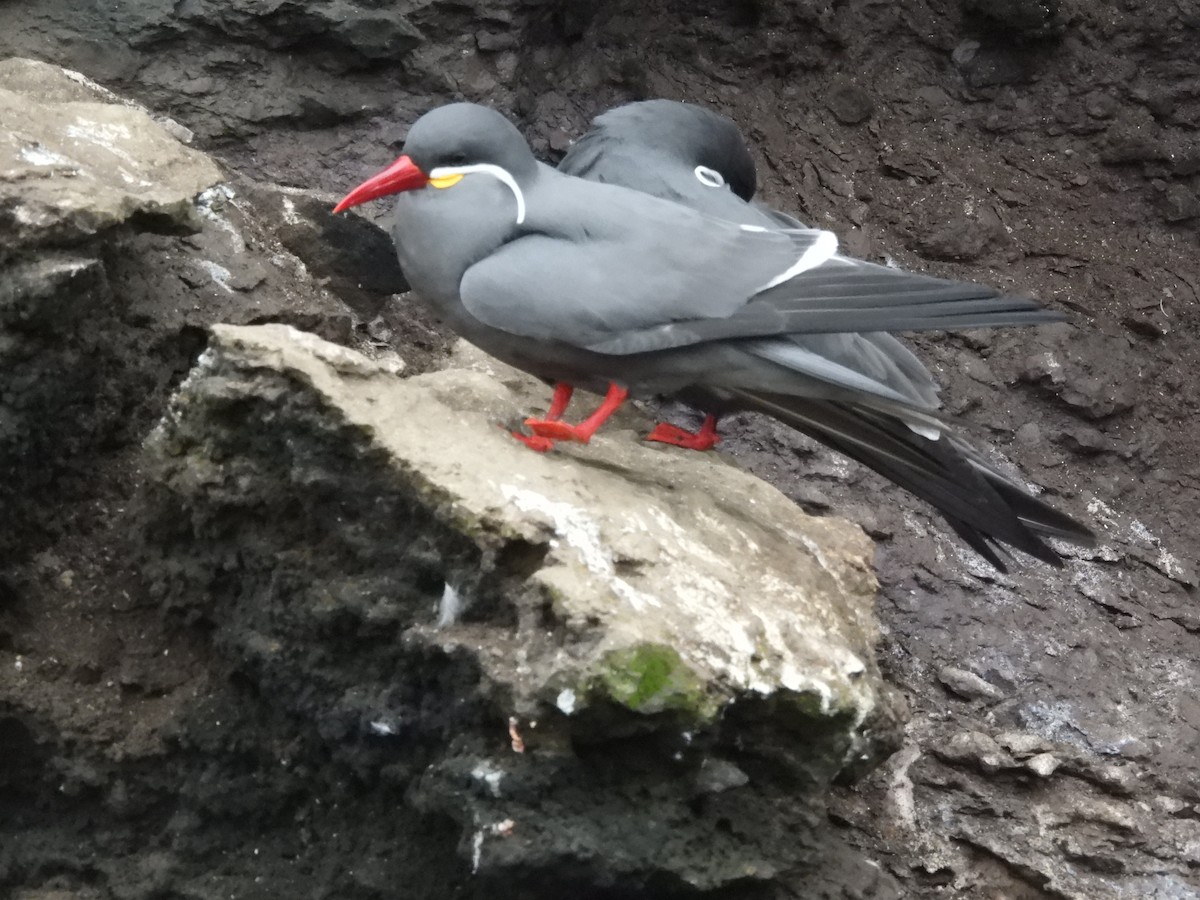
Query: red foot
x=704, y=439
x=561, y=431
x=558, y=405
x=552, y=430
x=537, y=443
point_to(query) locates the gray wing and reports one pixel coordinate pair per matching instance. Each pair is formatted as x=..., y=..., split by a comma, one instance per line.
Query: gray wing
x=780, y=219
x=650, y=146
x=588, y=282
x=878, y=363
x=845, y=294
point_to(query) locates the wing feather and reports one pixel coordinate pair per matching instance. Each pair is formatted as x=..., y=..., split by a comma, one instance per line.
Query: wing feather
x=641, y=274
x=638, y=264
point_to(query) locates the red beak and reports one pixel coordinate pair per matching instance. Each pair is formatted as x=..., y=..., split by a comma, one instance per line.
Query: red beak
x=402, y=175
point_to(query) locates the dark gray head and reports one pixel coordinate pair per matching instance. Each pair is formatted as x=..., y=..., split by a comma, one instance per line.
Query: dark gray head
x=465, y=134
x=694, y=135
x=444, y=145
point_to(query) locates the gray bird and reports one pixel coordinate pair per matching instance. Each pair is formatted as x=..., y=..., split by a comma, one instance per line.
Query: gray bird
x=698, y=157
x=677, y=151
x=599, y=286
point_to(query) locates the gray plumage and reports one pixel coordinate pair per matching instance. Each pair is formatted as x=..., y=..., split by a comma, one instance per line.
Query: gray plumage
x=655, y=146
x=643, y=146
x=588, y=283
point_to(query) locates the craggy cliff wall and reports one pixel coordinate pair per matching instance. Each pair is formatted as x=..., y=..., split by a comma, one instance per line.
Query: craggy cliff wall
x=173, y=725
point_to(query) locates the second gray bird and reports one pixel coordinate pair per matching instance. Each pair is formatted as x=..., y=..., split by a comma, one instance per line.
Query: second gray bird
x=698, y=157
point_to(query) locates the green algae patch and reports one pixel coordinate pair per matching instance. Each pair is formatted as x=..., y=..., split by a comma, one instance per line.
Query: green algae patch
x=653, y=678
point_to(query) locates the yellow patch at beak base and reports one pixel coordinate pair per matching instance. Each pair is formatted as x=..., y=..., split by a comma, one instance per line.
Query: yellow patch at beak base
x=446, y=181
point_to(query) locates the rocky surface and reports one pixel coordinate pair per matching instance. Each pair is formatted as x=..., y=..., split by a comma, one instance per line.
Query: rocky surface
x=122, y=244
x=1049, y=147
x=309, y=602
x=537, y=649
x=83, y=164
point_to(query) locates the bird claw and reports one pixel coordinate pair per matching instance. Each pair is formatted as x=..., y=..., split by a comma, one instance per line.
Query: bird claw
x=665, y=433
x=556, y=431
x=534, y=442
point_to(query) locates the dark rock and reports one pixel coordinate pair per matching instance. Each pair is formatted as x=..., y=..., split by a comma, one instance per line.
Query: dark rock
x=1085, y=440
x=352, y=256
x=1083, y=375
x=717, y=775
x=1100, y=105
x=1186, y=163
x=973, y=748
x=495, y=41
x=1134, y=142
x=372, y=34
x=907, y=164
x=1179, y=204
x=964, y=54
x=849, y=103
x=53, y=370
x=990, y=66
x=1029, y=434
x=968, y=685
x=378, y=35
x=307, y=434
x=961, y=239
x=1020, y=18
x=1148, y=323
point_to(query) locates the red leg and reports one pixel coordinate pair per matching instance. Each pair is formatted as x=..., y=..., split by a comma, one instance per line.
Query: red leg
x=558, y=406
x=704, y=439
x=561, y=431
x=558, y=403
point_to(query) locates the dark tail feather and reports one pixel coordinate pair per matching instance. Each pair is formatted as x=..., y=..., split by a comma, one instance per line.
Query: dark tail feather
x=988, y=549
x=1042, y=518
x=984, y=508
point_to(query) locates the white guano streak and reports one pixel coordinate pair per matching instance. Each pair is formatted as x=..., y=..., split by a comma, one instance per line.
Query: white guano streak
x=821, y=251
x=498, y=172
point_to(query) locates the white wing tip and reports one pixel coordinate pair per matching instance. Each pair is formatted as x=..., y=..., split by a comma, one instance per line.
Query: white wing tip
x=926, y=431
x=818, y=252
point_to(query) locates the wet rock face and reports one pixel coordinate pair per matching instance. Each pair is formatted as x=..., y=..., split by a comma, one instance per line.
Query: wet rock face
x=285, y=61
x=77, y=169
x=353, y=258
x=83, y=165
x=531, y=643
x=1052, y=746
x=120, y=245
x=323, y=628
x=1020, y=18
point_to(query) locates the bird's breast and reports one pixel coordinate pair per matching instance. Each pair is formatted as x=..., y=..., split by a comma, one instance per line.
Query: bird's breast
x=441, y=232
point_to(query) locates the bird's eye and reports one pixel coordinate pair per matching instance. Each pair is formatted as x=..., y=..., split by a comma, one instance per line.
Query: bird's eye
x=709, y=177
x=456, y=159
